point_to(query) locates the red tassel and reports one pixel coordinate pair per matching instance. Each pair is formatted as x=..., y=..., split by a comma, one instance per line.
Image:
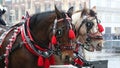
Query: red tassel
x=52, y=60
x=100, y=28
x=79, y=61
x=54, y=40
x=0, y=46
x=40, y=61
x=71, y=34
x=47, y=63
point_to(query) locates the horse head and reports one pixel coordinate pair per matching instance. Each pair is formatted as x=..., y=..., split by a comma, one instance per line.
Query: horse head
x=65, y=36
x=88, y=28
x=54, y=31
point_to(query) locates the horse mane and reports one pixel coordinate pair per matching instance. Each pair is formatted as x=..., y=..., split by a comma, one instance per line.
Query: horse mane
x=49, y=15
x=92, y=13
x=36, y=18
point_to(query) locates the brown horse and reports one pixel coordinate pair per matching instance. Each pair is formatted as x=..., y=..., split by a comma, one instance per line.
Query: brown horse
x=87, y=28
x=34, y=43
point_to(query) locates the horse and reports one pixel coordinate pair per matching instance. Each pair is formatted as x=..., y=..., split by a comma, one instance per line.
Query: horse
x=88, y=30
x=36, y=42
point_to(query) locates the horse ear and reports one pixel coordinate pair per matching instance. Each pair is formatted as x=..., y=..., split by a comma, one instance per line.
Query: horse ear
x=70, y=11
x=94, y=8
x=85, y=10
x=57, y=12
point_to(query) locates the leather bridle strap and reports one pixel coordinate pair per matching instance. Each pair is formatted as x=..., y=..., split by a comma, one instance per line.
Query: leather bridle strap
x=80, y=27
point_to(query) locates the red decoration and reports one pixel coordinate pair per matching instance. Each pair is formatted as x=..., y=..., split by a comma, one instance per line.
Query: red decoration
x=100, y=28
x=79, y=61
x=54, y=40
x=71, y=34
x=23, y=17
x=52, y=60
x=40, y=61
x=47, y=63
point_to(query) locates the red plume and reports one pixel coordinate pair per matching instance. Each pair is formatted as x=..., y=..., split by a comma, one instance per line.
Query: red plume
x=71, y=34
x=40, y=61
x=54, y=40
x=47, y=63
x=100, y=28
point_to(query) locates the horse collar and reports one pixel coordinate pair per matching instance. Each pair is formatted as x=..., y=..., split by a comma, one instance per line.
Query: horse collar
x=33, y=48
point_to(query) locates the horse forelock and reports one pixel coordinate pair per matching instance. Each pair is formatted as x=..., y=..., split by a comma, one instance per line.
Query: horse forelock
x=92, y=13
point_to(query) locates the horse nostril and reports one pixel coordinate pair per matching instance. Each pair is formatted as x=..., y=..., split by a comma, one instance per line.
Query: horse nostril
x=88, y=39
x=67, y=59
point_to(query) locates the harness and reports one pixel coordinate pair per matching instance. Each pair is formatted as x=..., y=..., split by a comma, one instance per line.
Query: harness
x=45, y=56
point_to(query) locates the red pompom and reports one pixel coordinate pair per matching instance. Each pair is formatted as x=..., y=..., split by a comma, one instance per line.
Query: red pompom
x=23, y=17
x=47, y=63
x=79, y=61
x=100, y=28
x=52, y=60
x=40, y=61
x=71, y=34
x=54, y=40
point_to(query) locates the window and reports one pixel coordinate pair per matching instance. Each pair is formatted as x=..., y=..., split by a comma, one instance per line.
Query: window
x=17, y=14
x=81, y=7
x=23, y=11
x=29, y=4
x=108, y=30
x=37, y=9
x=47, y=7
x=108, y=35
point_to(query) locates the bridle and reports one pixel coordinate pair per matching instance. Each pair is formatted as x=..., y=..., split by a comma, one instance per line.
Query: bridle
x=89, y=24
x=58, y=33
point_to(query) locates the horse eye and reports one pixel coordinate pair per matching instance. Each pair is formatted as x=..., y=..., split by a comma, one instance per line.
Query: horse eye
x=89, y=25
x=59, y=32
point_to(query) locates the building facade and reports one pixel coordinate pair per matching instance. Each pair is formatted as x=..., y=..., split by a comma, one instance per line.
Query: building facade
x=2, y=2
x=18, y=8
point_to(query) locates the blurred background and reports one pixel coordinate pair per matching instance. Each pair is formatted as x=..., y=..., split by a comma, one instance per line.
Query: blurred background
x=108, y=12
